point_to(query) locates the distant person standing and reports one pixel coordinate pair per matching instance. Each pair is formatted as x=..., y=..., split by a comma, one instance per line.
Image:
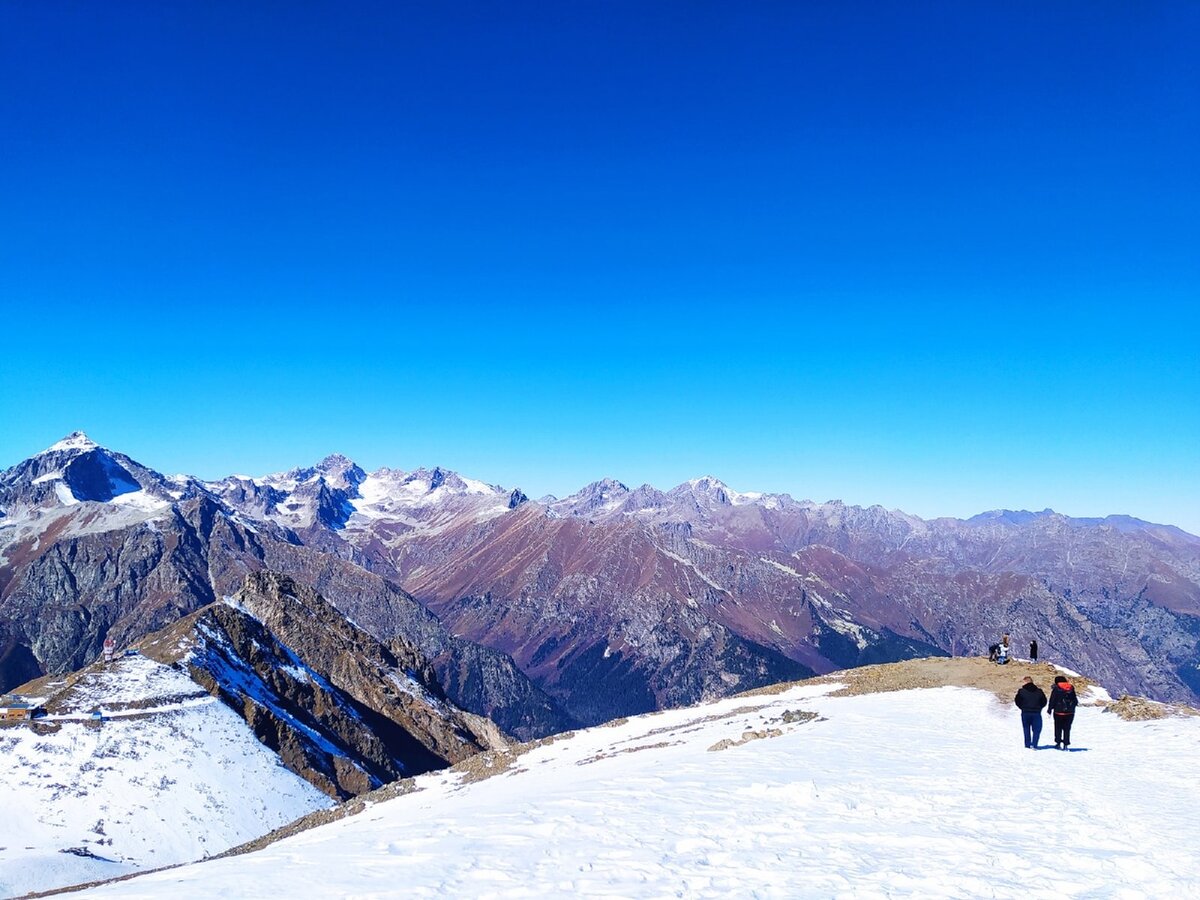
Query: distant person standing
x=1033, y=651
x=1062, y=707
x=1031, y=700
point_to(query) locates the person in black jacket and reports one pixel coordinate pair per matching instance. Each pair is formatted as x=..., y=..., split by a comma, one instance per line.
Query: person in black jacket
x=1062, y=707
x=1031, y=700
x=1033, y=651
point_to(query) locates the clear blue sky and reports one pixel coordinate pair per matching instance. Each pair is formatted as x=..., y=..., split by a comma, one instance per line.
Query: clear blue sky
x=942, y=257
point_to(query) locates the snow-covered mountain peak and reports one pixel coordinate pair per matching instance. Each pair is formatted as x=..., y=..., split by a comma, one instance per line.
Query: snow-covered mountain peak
x=450, y=482
x=607, y=485
x=407, y=498
x=76, y=470
x=335, y=470
x=76, y=440
x=340, y=471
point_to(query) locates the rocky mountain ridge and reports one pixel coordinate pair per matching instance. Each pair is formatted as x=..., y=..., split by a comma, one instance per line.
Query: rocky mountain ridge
x=74, y=573
x=234, y=720
x=618, y=600
x=344, y=712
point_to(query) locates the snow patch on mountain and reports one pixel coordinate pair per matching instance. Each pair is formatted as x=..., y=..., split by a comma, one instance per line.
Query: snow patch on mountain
x=787, y=570
x=65, y=497
x=392, y=494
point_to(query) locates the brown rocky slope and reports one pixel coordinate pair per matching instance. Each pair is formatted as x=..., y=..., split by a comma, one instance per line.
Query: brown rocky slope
x=343, y=711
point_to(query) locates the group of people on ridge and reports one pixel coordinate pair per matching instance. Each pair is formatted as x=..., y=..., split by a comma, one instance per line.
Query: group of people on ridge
x=1031, y=700
x=998, y=653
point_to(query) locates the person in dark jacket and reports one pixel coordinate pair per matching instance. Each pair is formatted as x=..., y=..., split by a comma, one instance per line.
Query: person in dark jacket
x=1062, y=707
x=1031, y=700
x=1033, y=651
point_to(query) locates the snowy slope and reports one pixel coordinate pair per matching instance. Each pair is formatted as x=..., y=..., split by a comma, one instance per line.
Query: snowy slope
x=921, y=793
x=170, y=775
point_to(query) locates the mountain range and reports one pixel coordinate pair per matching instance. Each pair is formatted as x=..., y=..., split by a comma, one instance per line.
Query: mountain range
x=547, y=614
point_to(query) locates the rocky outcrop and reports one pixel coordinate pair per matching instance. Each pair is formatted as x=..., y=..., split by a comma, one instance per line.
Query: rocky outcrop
x=17, y=662
x=342, y=710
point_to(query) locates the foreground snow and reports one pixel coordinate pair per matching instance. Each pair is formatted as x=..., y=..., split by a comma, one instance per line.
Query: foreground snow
x=918, y=793
x=169, y=776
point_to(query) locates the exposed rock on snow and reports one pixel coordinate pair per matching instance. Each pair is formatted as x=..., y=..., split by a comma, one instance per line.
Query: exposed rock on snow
x=343, y=711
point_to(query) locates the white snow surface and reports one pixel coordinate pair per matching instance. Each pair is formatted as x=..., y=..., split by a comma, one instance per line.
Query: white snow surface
x=172, y=776
x=920, y=793
x=81, y=517
x=141, y=500
x=408, y=499
x=64, y=495
x=75, y=441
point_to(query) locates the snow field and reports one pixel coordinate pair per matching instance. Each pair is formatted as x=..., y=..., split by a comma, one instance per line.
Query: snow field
x=911, y=794
x=152, y=786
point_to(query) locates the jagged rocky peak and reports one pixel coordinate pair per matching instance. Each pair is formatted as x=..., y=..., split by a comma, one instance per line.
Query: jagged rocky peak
x=599, y=497
x=340, y=471
x=645, y=497
x=335, y=470
x=707, y=488
x=603, y=491
x=434, y=478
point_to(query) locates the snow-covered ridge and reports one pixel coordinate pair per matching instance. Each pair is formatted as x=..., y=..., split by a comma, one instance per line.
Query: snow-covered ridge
x=166, y=777
x=792, y=794
x=423, y=487
x=339, y=494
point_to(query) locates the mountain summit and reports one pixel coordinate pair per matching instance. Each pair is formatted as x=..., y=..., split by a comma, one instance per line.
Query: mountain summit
x=76, y=440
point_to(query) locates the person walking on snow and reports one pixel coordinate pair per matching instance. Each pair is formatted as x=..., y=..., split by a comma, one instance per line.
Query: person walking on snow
x=1062, y=707
x=1031, y=700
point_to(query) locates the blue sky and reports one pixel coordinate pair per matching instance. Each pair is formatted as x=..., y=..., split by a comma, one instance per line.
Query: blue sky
x=941, y=257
